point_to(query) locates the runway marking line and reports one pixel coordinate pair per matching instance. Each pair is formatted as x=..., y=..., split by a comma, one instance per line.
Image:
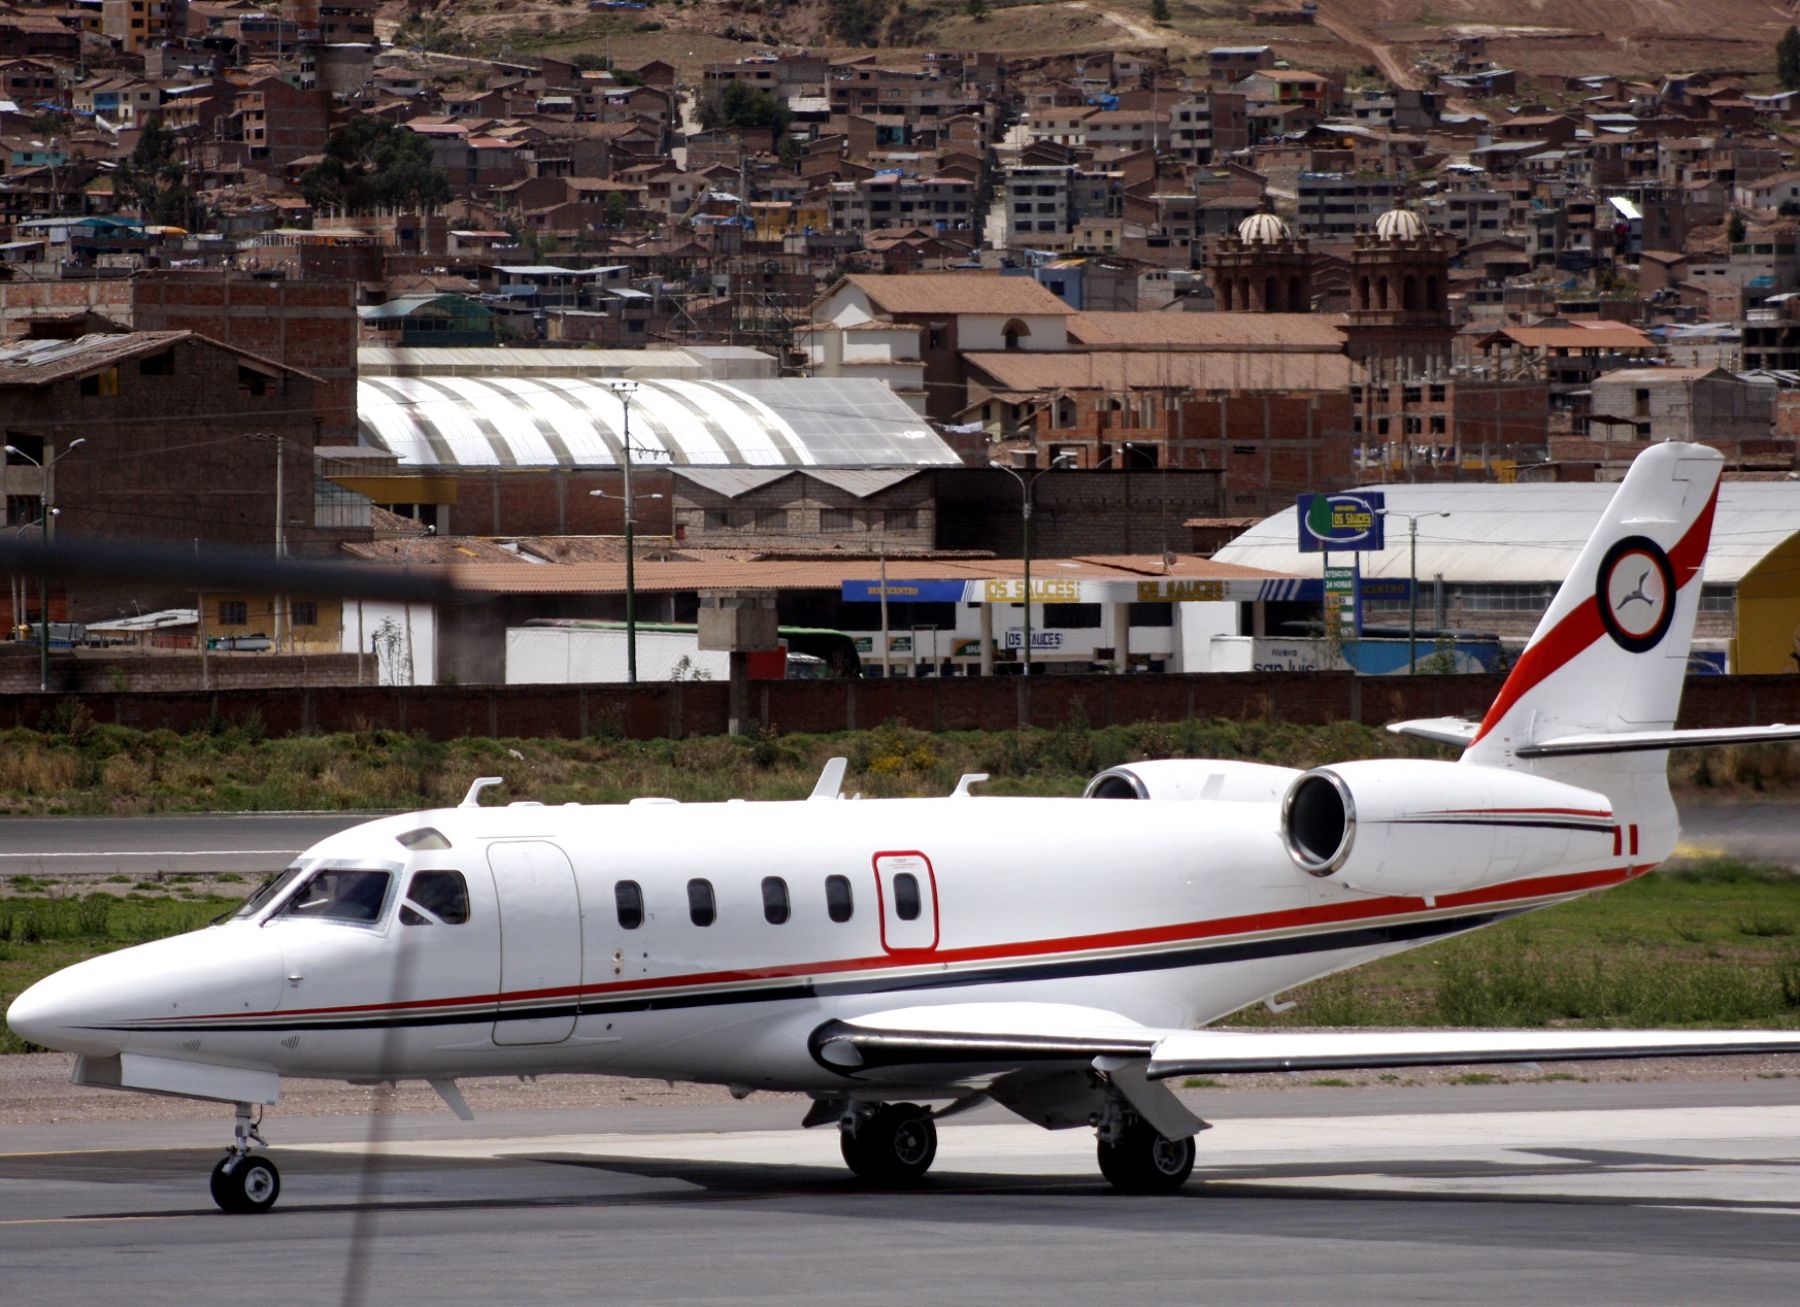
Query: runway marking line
x=148, y=853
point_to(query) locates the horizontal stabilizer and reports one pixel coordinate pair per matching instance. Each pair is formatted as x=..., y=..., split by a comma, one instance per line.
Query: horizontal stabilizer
x=1457, y=732
x=1564, y=746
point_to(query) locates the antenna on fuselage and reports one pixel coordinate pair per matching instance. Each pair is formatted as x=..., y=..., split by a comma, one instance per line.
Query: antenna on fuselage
x=473, y=798
x=830, y=784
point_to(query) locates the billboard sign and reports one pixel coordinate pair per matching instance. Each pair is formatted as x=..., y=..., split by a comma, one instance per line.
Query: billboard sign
x=1350, y=522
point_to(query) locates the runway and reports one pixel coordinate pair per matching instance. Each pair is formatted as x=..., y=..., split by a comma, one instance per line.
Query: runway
x=1556, y=1193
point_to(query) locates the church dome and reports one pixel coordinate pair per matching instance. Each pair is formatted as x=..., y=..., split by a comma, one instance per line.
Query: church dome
x=1263, y=229
x=1400, y=225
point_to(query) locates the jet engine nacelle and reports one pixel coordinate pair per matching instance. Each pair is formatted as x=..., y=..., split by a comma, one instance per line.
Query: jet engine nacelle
x=1415, y=827
x=1190, y=778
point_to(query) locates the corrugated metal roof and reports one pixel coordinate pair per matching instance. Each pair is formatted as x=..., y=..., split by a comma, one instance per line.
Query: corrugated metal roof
x=566, y=421
x=731, y=481
x=1524, y=534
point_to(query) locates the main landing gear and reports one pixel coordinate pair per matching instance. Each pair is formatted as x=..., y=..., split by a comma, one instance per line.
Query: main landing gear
x=242, y=1182
x=889, y=1143
x=1135, y=1159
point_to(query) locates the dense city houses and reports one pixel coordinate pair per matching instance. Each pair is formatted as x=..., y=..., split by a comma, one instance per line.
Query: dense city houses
x=366, y=274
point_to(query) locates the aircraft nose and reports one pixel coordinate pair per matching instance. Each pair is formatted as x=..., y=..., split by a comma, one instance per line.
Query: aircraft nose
x=43, y=1014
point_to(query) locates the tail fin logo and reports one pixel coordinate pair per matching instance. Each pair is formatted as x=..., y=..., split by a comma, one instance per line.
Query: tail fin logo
x=1636, y=590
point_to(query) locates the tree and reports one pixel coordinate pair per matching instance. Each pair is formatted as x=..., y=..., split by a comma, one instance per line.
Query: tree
x=373, y=164
x=978, y=10
x=1159, y=11
x=1787, y=59
x=618, y=208
x=743, y=108
x=153, y=181
x=1734, y=229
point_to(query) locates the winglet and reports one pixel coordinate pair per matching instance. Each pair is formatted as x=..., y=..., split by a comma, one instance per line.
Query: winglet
x=830, y=784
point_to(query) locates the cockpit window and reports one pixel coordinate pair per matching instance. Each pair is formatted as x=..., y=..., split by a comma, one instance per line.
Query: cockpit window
x=270, y=890
x=436, y=896
x=341, y=894
x=424, y=838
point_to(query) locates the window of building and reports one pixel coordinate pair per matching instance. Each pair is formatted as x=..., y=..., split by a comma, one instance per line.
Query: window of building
x=839, y=904
x=628, y=897
x=103, y=382
x=901, y=519
x=1150, y=614
x=304, y=612
x=234, y=612
x=158, y=365
x=775, y=900
x=771, y=519
x=702, y=910
x=440, y=897
x=1065, y=617
x=837, y=519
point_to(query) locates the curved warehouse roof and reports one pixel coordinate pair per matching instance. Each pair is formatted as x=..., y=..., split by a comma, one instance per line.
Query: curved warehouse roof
x=554, y=421
x=1524, y=533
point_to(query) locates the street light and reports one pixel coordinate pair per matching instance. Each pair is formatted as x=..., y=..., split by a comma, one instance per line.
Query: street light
x=48, y=468
x=625, y=390
x=630, y=503
x=1025, y=487
x=1412, y=617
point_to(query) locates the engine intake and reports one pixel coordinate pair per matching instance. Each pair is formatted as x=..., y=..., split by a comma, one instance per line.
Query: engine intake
x=1192, y=778
x=1415, y=827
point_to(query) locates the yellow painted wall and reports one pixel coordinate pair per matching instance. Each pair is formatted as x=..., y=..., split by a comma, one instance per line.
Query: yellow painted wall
x=1768, y=614
x=323, y=635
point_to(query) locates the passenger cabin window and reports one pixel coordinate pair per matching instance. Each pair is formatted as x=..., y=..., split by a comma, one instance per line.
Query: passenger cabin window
x=701, y=909
x=775, y=900
x=838, y=902
x=629, y=896
x=341, y=894
x=436, y=898
x=906, y=896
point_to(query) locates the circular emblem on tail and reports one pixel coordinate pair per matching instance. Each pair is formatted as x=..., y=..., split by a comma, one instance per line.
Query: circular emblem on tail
x=1636, y=593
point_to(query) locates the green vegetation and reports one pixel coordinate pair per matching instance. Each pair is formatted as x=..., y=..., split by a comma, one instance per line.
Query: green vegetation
x=90, y=768
x=372, y=164
x=1702, y=945
x=743, y=108
x=857, y=22
x=1159, y=11
x=1787, y=59
x=154, y=180
x=85, y=767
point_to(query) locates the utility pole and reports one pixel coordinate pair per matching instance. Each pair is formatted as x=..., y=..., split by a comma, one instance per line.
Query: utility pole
x=48, y=467
x=1025, y=488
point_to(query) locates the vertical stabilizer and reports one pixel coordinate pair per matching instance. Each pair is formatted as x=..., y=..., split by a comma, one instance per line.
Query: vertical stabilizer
x=1611, y=652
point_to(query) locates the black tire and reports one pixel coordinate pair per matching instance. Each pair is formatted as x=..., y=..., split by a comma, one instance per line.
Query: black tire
x=895, y=1145
x=1143, y=1162
x=245, y=1185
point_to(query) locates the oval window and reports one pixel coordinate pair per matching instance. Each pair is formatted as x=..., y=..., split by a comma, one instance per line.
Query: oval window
x=701, y=909
x=906, y=896
x=838, y=902
x=630, y=898
x=775, y=900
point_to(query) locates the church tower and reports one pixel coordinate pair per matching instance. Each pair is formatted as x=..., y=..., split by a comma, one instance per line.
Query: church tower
x=1265, y=268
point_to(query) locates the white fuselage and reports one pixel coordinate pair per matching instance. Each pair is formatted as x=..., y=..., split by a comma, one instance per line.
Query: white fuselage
x=1172, y=914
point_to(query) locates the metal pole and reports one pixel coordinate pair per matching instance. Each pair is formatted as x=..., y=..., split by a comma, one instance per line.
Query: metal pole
x=1027, y=533
x=630, y=551
x=280, y=536
x=1412, y=615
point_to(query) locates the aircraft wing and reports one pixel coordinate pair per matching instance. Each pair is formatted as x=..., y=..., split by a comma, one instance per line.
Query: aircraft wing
x=991, y=1034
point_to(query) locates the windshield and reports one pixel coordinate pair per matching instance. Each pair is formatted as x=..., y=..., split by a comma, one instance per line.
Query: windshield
x=351, y=894
x=267, y=892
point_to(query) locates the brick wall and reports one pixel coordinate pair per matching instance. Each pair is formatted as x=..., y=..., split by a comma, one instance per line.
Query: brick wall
x=699, y=708
x=98, y=672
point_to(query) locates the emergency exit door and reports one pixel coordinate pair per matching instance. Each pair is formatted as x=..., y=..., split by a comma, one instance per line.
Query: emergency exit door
x=540, y=942
x=906, y=888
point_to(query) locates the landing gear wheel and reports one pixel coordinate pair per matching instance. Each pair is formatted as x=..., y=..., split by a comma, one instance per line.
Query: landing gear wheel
x=895, y=1144
x=1143, y=1162
x=242, y=1184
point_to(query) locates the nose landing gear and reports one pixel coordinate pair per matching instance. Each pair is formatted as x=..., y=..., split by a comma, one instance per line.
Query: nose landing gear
x=242, y=1183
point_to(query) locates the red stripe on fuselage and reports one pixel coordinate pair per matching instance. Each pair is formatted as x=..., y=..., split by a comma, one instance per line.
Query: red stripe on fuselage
x=1258, y=923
